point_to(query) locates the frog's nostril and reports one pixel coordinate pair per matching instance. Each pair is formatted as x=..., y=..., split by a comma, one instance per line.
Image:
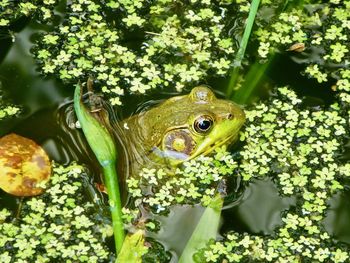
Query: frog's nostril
x=229, y=116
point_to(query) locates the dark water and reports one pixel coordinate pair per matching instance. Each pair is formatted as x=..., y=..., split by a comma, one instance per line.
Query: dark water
x=47, y=117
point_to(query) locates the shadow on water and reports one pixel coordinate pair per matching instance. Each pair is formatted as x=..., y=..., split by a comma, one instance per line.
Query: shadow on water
x=285, y=71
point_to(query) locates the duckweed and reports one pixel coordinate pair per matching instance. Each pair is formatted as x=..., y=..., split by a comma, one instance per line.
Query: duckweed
x=324, y=29
x=196, y=181
x=8, y=111
x=179, y=45
x=297, y=147
x=60, y=225
x=10, y=11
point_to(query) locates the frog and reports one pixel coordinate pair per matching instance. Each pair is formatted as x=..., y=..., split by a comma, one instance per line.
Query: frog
x=180, y=129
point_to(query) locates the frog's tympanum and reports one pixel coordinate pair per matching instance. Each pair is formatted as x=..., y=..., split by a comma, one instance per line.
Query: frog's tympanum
x=181, y=128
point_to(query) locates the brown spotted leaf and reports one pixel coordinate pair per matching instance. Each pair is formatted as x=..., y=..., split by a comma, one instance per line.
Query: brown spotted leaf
x=23, y=165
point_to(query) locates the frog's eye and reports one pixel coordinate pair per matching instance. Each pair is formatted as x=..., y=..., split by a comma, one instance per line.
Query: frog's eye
x=203, y=124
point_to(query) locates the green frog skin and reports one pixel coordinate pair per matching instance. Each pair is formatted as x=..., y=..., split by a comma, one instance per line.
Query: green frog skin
x=180, y=129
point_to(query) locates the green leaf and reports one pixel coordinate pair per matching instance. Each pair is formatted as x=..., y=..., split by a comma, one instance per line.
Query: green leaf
x=133, y=248
x=206, y=229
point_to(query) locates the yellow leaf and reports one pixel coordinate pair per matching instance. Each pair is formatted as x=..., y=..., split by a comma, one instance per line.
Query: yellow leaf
x=24, y=166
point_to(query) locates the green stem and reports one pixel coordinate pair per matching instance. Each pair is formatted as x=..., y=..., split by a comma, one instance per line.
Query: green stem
x=248, y=29
x=19, y=209
x=251, y=81
x=113, y=191
x=102, y=144
x=243, y=45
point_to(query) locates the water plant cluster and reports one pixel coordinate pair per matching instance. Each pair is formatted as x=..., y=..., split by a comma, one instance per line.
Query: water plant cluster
x=178, y=45
x=10, y=11
x=59, y=225
x=298, y=147
x=324, y=32
x=8, y=111
x=196, y=181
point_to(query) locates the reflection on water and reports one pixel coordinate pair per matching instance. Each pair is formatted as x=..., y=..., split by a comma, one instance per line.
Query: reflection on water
x=338, y=216
x=175, y=233
x=259, y=210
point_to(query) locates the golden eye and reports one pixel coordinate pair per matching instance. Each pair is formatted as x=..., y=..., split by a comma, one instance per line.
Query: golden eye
x=203, y=124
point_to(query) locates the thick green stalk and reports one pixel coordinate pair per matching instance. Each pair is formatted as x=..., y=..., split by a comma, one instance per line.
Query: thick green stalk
x=102, y=144
x=206, y=229
x=110, y=180
x=242, y=47
x=248, y=29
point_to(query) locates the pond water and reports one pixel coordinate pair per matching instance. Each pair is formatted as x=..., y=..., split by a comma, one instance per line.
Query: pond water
x=47, y=113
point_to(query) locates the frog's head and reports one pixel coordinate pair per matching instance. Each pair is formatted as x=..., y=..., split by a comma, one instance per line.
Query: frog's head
x=184, y=127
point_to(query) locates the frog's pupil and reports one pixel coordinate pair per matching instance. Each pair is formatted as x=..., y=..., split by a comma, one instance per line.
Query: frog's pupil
x=204, y=125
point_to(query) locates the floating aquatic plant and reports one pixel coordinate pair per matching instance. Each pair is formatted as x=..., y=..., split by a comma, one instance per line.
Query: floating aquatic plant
x=8, y=111
x=294, y=145
x=7, y=108
x=196, y=181
x=59, y=225
x=323, y=30
x=11, y=11
x=179, y=44
x=297, y=147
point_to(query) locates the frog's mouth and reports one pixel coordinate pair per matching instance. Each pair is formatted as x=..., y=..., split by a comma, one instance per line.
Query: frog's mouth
x=210, y=144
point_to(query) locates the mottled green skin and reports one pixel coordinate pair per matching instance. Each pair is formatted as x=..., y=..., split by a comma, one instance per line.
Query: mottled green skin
x=149, y=133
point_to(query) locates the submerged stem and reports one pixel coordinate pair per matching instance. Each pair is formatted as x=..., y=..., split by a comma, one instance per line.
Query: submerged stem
x=206, y=229
x=251, y=81
x=19, y=208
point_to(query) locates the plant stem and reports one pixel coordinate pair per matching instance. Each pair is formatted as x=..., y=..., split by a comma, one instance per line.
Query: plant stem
x=110, y=180
x=102, y=144
x=251, y=81
x=19, y=208
x=248, y=29
x=243, y=45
